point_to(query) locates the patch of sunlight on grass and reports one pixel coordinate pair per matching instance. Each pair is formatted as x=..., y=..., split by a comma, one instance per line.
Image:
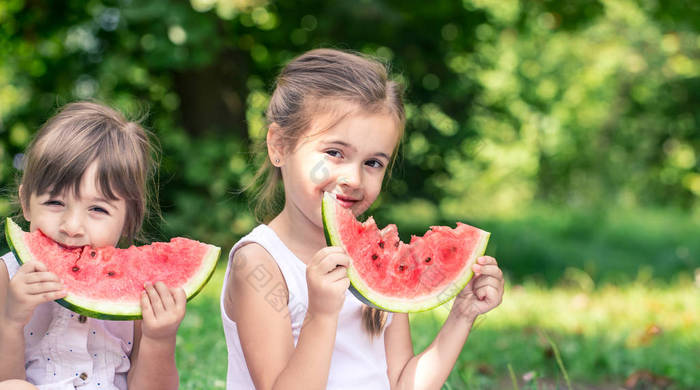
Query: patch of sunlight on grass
x=605, y=334
x=609, y=309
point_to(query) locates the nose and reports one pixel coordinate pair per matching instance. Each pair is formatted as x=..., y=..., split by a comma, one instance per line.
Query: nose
x=351, y=177
x=72, y=224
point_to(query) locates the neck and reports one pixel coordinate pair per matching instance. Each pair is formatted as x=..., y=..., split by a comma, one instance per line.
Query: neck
x=301, y=235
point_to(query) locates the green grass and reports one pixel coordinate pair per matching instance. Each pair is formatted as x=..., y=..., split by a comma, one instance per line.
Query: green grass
x=603, y=335
x=615, y=292
x=201, y=347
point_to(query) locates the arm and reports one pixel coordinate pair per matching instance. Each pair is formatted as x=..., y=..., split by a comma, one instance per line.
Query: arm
x=430, y=368
x=153, y=357
x=265, y=330
x=31, y=286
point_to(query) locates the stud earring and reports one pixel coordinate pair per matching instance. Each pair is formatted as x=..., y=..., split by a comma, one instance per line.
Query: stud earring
x=277, y=161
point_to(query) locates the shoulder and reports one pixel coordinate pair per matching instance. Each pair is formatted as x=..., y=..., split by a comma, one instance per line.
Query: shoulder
x=252, y=257
x=253, y=274
x=4, y=275
x=252, y=253
x=252, y=268
x=10, y=263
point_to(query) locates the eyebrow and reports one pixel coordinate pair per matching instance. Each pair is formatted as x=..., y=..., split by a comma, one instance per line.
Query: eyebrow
x=347, y=145
x=103, y=200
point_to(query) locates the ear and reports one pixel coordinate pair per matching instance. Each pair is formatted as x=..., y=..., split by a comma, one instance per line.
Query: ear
x=25, y=207
x=275, y=146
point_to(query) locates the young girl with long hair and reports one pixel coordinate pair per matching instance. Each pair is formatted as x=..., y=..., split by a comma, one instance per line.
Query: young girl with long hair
x=335, y=120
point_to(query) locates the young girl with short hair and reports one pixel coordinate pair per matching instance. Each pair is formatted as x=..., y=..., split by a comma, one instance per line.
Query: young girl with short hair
x=84, y=182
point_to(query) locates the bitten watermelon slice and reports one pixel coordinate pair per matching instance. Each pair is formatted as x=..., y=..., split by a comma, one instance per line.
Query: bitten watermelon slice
x=107, y=282
x=390, y=275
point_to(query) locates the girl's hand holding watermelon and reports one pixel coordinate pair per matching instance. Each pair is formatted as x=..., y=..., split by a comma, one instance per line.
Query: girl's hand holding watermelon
x=163, y=309
x=483, y=292
x=327, y=279
x=31, y=286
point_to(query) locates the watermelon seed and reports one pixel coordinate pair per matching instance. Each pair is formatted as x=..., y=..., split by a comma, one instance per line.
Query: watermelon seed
x=75, y=268
x=402, y=267
x=110, y=273
x=396, y=244
x=374, y=256
x=381, y=244
x=427, y=259
x=93, y=253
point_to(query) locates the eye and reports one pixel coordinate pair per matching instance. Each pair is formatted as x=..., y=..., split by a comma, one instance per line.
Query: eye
x=53, y=202
x=374, y=163
x=334, y=153
x=99, y=209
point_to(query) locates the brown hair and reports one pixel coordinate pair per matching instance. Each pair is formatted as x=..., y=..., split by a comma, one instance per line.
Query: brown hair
x=78, y=135
x=317, y=82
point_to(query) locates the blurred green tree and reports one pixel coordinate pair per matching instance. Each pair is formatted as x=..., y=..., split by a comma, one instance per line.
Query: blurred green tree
x=580, y=103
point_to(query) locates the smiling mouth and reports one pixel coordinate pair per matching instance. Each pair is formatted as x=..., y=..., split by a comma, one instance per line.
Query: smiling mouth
x=345, y=201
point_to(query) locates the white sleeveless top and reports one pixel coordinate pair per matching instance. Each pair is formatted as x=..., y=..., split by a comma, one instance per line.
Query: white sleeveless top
x=358, y=361
x=67, y=351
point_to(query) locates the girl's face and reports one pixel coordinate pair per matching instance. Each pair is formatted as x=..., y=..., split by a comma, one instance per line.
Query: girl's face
x=350, y=160
x=75, y=221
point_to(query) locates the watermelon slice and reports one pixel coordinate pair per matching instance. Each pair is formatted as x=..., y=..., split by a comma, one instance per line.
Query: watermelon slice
x=106, y=283
x=390, y=275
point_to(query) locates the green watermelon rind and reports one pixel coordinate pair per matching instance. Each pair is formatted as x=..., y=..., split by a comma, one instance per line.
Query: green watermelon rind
x=109, y=310
x=379, y=301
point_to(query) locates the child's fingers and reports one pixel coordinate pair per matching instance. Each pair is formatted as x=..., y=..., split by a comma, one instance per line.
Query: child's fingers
x=45, y=296
x=331, y=262
x=483, y=281
x=146, y=308
x=488, y=294
x=154, y=299
x=54, y=295
x=180, y=299
x=338, y=273
x=40, y=276
x=322, y=254
x=32, y=266
x=165, y=296
x=486, y=260
x=179, y=296
x=484, y=284
x=43, y=288
x=488, y=270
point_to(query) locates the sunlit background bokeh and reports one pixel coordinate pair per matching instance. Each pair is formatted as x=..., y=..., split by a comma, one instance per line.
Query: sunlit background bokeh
x=570, y=130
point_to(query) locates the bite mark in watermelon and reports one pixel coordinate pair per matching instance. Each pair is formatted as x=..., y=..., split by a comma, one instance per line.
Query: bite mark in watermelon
x=391, y=275
x=107, y=282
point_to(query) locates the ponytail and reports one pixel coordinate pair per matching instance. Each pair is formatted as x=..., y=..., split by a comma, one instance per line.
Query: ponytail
x=373, y=320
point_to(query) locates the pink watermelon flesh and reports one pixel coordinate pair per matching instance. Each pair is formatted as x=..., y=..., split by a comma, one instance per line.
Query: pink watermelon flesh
x=125, y=270
x=399, y=269
x=417, y=276
x=116, y=277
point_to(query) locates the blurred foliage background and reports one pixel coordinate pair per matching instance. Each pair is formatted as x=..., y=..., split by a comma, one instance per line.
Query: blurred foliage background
x=563, y=110
x=571, y=129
